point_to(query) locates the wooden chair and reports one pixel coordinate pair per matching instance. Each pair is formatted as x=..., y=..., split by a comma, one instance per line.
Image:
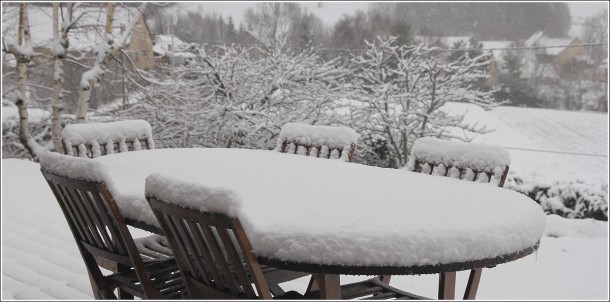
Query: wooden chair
x=466, y=161
x=213, y=251
x=318, y=141
x=97, y=139
x=143, y=268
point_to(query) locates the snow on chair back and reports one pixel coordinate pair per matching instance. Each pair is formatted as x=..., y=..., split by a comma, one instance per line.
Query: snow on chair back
x=468, y=161
x=97, y=139
x=318, y=141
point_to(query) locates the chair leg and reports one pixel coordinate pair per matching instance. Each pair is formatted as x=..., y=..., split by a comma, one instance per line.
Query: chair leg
x=385, y=278
x=123, y=295
x=312, y=286
x=473, y=284
x=330, y=286
x=446, y=286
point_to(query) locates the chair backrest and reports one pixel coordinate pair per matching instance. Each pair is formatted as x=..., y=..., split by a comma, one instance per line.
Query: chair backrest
x=207, y=238
x=467, y=161
x=318, y=141
x=93, y=216
x=97, y=139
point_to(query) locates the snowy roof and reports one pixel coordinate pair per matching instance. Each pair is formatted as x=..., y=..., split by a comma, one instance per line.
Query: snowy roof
x=294, y=207
x=497, y=50
x=539, y=39
x=163, y=43
x=448, y=41
x=85, y=36
x=451, y=40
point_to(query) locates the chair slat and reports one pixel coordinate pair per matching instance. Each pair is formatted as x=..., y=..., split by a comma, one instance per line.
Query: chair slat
x=220, y=263
x=236, y=262
x=100, y=233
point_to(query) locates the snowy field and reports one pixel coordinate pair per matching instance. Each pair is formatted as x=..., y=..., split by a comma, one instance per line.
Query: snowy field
x=41, y=261
x=575, y=143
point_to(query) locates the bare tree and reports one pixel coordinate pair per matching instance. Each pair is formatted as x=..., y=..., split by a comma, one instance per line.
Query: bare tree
x=60, y=50
x=108, y=50
x=23, y=52
x=273, y=22
x=401, y=91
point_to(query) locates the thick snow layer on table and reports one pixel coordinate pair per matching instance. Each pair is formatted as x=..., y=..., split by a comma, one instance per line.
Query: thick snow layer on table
x=481, y=157
x=192, y=195
x=333, y=137
x=410, y=220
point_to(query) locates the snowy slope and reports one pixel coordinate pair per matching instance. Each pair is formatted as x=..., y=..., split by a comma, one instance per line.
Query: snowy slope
x=575, y=144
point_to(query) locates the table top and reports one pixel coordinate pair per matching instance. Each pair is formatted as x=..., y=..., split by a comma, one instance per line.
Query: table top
x=309, y=212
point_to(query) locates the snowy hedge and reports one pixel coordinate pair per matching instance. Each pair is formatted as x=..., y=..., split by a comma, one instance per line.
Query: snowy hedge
x=569, y=199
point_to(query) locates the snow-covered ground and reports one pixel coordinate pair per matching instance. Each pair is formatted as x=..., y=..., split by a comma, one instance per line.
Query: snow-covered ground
x=40, y=259
x=545, y=145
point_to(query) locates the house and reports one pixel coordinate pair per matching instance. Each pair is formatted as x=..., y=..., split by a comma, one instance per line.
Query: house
x=83, y=39
x=444, y=42
x=170, y=50
x=140, y=48
x=560, y=52
x=496, y=67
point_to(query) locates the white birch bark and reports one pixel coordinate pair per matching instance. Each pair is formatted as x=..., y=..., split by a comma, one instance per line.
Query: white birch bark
x=60, y=50
x=23, y=54
x=106, y=51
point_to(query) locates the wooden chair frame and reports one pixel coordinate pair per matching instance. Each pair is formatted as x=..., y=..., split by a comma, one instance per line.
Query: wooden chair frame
x=100, y=232
x=212, y=252
x=218, y=262
x=419, y=167
x=447, y=280
x=318, y=151
x=74, y=149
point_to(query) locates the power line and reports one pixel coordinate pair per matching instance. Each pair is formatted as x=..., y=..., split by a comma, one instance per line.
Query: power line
x=432, y=50
x=557, y=152
x=481, y=49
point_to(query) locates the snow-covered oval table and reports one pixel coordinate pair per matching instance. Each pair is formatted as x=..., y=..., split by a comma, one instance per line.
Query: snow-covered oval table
x=331, y=217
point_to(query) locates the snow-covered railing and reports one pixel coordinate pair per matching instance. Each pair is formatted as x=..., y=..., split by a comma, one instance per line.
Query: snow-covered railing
x=469, y=161
x=318, y=141
x=97, y=139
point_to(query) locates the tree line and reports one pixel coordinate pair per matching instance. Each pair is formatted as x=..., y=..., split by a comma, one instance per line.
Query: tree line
x=289, y=21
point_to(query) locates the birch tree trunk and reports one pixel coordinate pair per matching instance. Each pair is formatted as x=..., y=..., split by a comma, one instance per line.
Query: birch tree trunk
x=60, y=49
x=105, y=52
x=22, y=67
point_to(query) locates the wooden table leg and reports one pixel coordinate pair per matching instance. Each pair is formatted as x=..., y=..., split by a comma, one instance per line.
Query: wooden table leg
x=446, y=286
x=330, y=286
x=473, y=284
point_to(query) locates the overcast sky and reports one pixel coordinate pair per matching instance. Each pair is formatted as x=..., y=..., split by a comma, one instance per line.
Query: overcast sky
x=330, y=12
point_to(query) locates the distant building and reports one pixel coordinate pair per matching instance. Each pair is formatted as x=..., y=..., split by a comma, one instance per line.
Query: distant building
x=140, y=48
x=496, y=66
x=559, y=52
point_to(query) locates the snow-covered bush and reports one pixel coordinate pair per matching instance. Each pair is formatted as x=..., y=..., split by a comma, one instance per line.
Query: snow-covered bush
x=241, y=97
x=569, y=199
x=399, y=90
x=39, y=127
